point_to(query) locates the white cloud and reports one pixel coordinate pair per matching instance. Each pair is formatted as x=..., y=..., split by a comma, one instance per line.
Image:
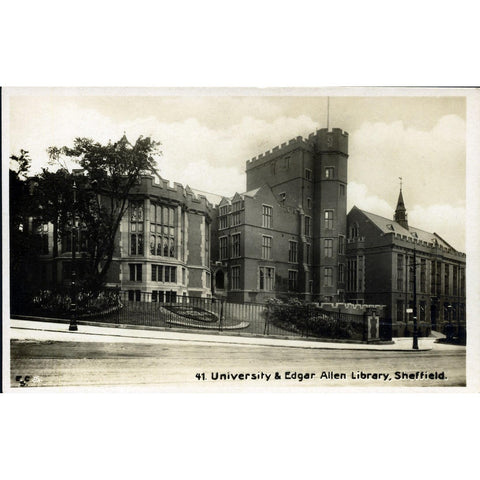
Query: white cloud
x=358, y=195
x=446, y=220
x=431, y=162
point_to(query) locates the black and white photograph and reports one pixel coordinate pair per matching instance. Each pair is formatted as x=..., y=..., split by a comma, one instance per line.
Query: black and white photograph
x=239, y=240
x=236, y=239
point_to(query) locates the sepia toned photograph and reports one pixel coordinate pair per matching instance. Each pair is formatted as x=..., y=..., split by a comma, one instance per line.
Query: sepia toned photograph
x=235, y=239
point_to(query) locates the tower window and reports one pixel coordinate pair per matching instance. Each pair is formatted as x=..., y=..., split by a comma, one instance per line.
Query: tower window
x=292, y=251
x=341, y=273
x=308, y=174
x=328, y=277
x=308, y=226
x=341, y=244
x=328, y=247
x=329, y=172
x=329, y=219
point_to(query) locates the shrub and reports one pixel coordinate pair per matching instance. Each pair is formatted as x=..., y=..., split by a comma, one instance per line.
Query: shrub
x=59, y=303
x=308, y=319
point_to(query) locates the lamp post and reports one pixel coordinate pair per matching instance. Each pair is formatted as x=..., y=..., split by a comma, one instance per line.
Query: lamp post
x=415, y=331
x=449, y=324
x=73, y=327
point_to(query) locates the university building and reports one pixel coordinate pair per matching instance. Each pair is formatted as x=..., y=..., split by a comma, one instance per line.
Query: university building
x=162, y=250
x=285, y=236
x=382, y=255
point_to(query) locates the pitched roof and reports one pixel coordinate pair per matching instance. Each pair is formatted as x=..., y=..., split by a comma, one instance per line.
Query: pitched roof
x=387, y=225
x=250, y=193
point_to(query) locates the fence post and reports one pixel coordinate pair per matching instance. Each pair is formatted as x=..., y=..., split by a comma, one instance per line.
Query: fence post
x=365, y=326
x=266, y=328
x=220, y=325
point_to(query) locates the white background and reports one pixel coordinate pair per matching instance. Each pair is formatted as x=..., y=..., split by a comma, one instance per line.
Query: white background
x=247, y=44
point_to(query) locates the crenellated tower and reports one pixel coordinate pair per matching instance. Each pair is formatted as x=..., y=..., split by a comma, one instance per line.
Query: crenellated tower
x=310, y=176
x=330, y=151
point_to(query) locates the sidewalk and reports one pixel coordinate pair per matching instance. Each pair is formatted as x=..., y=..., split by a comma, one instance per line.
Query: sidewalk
x=53, y=331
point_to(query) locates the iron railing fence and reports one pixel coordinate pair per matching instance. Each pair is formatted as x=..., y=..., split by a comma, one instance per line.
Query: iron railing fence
x=210, y=315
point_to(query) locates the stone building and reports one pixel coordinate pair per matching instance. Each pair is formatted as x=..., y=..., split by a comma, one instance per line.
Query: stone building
x=380, y=269
x=286, y=234
x=162, y=250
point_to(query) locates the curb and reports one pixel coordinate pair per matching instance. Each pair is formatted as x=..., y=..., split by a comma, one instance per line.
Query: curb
x=189, y=331
x=219, y=339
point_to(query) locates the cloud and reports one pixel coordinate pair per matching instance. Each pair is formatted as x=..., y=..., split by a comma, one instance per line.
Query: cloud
x=446, y=220
x=431, y=162
x=358, y=195
x=208, y=158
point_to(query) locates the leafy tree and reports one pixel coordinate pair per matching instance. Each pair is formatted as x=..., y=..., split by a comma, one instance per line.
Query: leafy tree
x=23, y=247
x=109, y=172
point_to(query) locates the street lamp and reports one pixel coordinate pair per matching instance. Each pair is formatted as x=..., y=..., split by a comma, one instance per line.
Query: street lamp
x=415, y=331
x=449, y=325
x=73, y=327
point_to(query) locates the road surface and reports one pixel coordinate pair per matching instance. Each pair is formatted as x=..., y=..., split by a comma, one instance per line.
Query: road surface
x=198, y=366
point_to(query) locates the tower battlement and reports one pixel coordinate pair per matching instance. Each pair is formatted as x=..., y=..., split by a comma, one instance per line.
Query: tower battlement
x=283, y=149
x=334, y=139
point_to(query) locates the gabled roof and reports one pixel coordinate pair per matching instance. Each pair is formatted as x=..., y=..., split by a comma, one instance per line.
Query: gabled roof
x=251, y=193
x=387, y=225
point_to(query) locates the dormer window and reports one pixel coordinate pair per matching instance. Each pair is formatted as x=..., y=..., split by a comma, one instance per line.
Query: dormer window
x=390, y=227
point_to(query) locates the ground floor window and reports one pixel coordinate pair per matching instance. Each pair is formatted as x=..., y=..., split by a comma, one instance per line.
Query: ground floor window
x=171, y=297
x=235, y=274
x=400, y=310
x=135, y=272
x=134, y=295
x=267, y=278
x=161, y=296
x=292, y=280
x=164, y=273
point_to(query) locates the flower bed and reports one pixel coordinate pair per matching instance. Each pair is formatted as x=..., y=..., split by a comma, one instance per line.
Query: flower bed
x=194, y=313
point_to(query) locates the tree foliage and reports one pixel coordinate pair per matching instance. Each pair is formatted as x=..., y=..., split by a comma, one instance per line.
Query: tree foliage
x=23, y=247
x=108, y=174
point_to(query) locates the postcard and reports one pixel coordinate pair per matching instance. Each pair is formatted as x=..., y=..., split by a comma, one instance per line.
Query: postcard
x=239, y=240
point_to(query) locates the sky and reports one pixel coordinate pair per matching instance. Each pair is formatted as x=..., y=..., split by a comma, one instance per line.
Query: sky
x=207, y=137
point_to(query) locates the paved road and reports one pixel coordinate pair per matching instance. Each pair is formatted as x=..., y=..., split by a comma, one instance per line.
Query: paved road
x=173, y=364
